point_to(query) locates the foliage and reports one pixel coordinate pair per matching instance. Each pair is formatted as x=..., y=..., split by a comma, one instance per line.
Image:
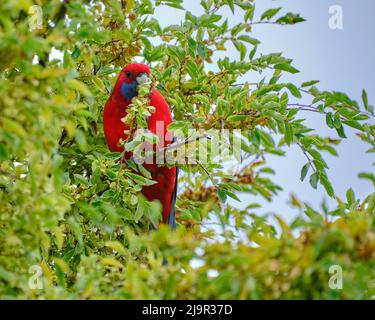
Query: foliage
x=68, y=206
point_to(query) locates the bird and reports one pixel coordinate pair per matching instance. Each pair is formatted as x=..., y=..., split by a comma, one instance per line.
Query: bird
x=115, y=131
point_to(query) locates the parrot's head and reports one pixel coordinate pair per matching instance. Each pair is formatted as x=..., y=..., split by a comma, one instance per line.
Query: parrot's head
x=130, y=77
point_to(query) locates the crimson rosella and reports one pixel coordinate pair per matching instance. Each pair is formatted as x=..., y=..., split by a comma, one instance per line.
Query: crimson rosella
x=115, y=109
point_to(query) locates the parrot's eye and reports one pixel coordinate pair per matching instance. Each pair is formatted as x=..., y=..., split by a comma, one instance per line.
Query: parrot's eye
x=128, y=74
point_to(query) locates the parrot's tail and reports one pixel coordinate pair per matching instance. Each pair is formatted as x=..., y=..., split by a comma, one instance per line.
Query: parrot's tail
x=171, y=220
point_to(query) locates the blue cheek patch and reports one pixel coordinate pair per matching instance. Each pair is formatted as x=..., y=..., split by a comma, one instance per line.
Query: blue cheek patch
x=129, y=90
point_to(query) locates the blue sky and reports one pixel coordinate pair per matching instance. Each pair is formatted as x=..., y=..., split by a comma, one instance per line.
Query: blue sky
x=342, y=60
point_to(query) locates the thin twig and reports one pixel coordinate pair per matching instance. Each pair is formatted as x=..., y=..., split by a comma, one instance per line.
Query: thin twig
x=306, y=107
x=206, y=172
x=361, y=111
x=179, y=144
x=308, y=157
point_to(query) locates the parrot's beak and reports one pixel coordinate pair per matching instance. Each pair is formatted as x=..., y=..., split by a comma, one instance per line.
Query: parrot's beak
x=142, y=78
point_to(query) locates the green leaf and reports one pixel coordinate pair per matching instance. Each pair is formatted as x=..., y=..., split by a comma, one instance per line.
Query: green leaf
x=154, y=213
x=76, y=228
x=329, y=120
x=237, y=29
x=116, y=246
x=213, y=92
x=192, y=69
x=192, y=44
x=294, y=90
x=337, y=120
x=288, y=133
x=238, y=117
x=201, y=50
x=133, y=144
x=99, y=84
x=292, y=113
x=80, y=180
x=80, y=138
x=286, y=67
x=231, y=5
x=76, y=52
x=367, y=176
x=209, y=20
x=354, y=124
x=176, y=125
x=140, y=180
x=252, y=53
x=249, y=14
x=309, y=83
x=365, y=99
x=341, y=132
x=318, y=159
x=350, y=196
x=222, y=195
x=4, y=154
x=241, y=48
x=7, y=276
x=230, y=194
x=142, y=207
x=314, y=179
x=304, y=171
x=79, y=86
x=268, y=14
x=249, y=39
x=290, y=18
x=326, y=184
x=313, y=215
x=174, y=4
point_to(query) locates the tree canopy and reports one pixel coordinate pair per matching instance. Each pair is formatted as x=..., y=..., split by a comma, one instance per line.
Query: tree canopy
x=72, y=217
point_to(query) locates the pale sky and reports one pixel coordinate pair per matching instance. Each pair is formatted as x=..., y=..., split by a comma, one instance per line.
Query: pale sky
x=343, y=60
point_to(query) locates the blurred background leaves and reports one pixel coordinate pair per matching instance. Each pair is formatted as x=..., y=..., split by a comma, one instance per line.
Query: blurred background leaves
x=69, y=207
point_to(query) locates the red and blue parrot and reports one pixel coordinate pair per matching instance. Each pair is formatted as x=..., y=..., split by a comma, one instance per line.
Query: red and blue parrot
x=126, y=87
